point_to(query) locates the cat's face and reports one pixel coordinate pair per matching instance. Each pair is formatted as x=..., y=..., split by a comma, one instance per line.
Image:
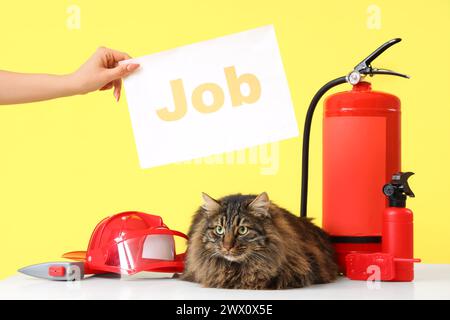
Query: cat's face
x=234, y=228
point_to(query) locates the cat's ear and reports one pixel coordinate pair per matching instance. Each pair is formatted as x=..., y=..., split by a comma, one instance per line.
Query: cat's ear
x=260, y=205
x=209, y=204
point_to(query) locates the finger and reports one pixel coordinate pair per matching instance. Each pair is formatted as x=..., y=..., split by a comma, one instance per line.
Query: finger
x=107, y=86
x=117, y=88
x=119, y=56
x=121, y=71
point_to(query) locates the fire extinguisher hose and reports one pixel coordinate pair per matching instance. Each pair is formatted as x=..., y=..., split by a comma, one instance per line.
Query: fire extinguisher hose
x=306, y=135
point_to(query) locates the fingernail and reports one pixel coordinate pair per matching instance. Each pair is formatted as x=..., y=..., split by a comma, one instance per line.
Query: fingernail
x=132, y=66
x=116, y=95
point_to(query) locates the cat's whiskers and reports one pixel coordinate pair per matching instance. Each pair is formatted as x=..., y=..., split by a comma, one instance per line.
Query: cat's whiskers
x=215, y=254
x=256, y=257
x=256, y=239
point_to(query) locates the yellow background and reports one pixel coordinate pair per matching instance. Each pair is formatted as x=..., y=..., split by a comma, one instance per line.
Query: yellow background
x=67, y=163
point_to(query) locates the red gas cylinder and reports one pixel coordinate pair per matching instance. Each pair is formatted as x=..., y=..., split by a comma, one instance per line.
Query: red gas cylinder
x=398, y=240
x=361, y=151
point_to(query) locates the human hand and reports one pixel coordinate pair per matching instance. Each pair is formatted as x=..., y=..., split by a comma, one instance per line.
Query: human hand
x=103, y=72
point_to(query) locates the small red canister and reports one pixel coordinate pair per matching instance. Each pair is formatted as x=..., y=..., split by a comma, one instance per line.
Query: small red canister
x=398, y=238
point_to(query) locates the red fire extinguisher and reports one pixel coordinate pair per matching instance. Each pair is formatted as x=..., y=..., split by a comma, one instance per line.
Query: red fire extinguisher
x=361, y=152
x=398, y=227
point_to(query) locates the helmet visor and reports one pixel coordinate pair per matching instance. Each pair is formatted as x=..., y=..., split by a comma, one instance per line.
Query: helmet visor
x=148, y=253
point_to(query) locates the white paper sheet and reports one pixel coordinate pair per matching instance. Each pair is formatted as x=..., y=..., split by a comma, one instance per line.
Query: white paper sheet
x=244, y=69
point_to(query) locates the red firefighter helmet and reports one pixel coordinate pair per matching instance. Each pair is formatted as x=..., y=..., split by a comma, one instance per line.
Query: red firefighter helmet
x=131, y=242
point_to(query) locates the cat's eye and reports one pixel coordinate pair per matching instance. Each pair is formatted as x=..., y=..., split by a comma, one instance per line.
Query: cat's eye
x=242, y=230
x=220, y=230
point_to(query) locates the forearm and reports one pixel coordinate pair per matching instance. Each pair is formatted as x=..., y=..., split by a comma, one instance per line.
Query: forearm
x=22, y=87
x=101, y=71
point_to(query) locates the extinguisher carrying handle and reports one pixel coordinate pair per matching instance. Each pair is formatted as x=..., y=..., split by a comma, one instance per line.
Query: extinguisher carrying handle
x=362, y=69
x=365, y=66
x=374, y=71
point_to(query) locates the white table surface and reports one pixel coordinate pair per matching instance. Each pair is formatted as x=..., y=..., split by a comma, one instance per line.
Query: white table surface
x=432, y=281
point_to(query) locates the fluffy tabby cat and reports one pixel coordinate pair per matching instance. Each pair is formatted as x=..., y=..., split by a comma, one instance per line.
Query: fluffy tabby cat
x=248, y=242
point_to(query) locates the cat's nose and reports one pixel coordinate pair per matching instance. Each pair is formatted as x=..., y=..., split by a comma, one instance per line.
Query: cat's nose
x=227, y=245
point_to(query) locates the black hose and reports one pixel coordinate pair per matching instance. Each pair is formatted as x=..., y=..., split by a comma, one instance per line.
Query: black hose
x=306, y=135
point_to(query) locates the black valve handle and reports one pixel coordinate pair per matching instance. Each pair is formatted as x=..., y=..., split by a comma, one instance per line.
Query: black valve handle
x=398, y=189
x=366, y=62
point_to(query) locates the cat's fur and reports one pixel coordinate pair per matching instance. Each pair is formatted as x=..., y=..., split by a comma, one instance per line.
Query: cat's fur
x=278, y=251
